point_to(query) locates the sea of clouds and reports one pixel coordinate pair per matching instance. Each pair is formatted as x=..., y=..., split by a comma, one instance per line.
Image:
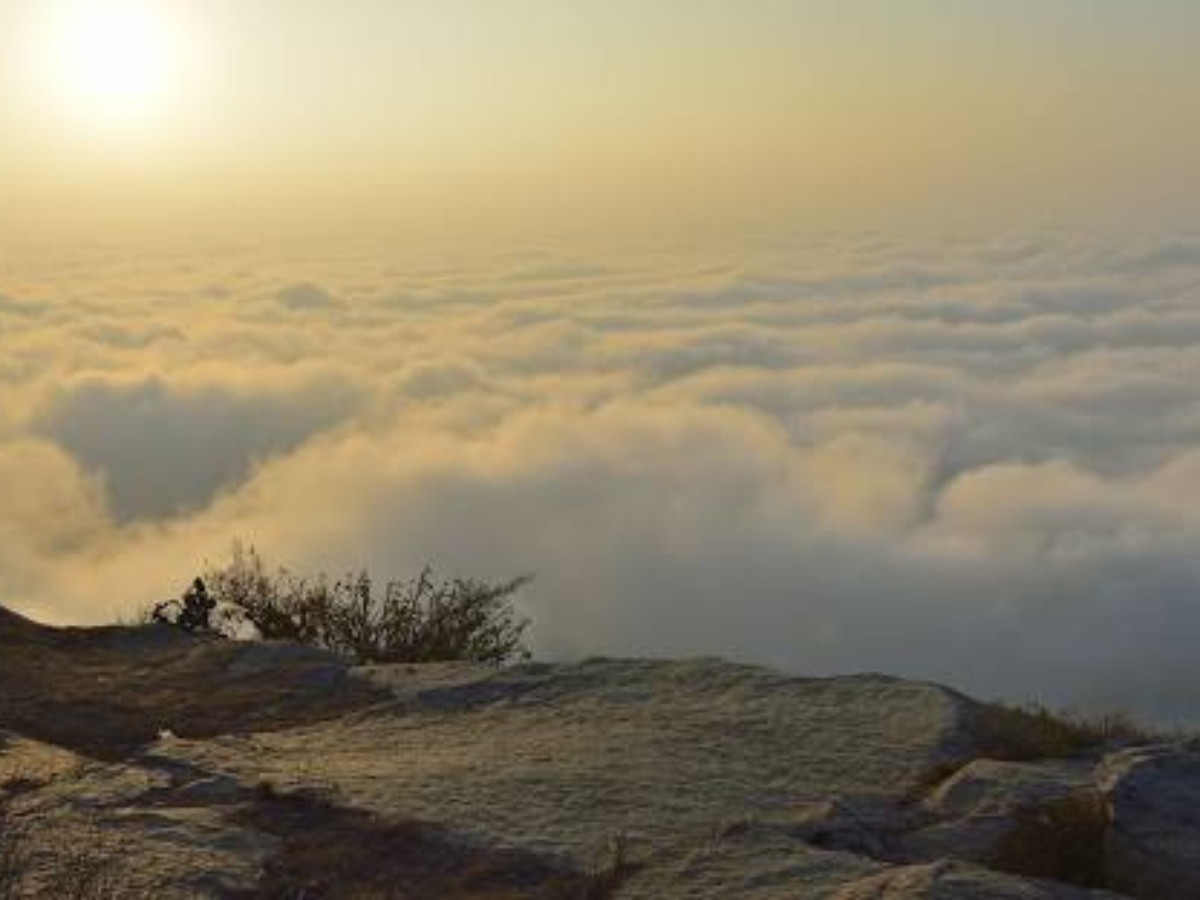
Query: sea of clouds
x=965, y=459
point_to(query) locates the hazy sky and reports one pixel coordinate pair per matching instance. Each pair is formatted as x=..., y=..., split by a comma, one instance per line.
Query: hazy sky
x=337, y=117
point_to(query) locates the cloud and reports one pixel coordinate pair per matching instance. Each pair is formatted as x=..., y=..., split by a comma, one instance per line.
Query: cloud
x=51, y=510
x=11, y=306
x=133, y=338
x=439, y=379
x=307, y=297
x=164, y=448
x=969, y=460
x=1161, y=255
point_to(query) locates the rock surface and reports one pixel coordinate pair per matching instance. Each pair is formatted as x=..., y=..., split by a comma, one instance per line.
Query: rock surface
x=81, y=828
x=560, y=759
x=1154, y=798
x=958, y=881
x=278, y=771
x=974, y=809
x=109, y=691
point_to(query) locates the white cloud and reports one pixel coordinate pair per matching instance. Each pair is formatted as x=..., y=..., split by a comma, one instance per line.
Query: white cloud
x=975, y=461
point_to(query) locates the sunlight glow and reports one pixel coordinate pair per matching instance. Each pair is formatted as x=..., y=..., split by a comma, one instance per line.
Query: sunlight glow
x=113, y=60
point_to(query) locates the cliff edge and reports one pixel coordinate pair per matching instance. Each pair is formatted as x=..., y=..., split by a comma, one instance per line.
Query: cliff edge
x=161, y=765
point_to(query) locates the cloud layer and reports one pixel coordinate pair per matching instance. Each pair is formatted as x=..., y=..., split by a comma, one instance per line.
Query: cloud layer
x=974, y=460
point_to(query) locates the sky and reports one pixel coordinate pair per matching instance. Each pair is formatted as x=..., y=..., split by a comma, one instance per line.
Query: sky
x=284, y=116
x=833, y=336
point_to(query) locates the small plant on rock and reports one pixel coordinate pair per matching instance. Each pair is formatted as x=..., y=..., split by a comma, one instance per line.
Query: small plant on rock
x=1064, y=840
x=426, y=619
x=192, y=612
x=1029, y=733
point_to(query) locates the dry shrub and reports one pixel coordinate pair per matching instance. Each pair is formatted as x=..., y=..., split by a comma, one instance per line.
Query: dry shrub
x=416, y=621
x=1064, y=840
x=1029, y=733
x=603, y=879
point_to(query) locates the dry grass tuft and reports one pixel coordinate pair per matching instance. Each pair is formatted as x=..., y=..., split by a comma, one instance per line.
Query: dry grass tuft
x=603, y=879
x=14, y=861
x=81, y=870
x=1064, y=840
x=1030, y=733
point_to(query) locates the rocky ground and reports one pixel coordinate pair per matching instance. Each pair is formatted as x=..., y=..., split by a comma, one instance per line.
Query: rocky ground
x=142, y=763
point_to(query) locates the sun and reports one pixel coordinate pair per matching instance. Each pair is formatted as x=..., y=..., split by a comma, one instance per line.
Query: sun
x=113, y=60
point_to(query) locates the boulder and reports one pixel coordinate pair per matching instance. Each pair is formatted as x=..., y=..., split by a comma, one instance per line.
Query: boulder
x=959, y=881
x=973, y=811
x=988, y=787
x=560, y=758
x=865, y=825
x=1154, y=800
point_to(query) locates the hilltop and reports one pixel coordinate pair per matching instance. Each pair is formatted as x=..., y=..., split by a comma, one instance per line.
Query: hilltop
x=154, y=764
